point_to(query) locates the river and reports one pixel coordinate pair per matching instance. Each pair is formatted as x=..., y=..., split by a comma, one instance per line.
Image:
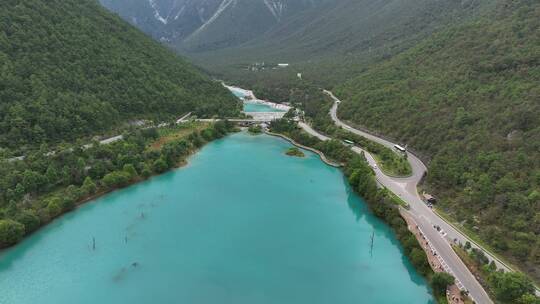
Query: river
x=254, y=105
x=251, y=107
x=241, y=223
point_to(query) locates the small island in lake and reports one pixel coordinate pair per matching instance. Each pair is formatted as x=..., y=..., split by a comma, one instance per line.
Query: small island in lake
x=295, y=152
x=255, y=130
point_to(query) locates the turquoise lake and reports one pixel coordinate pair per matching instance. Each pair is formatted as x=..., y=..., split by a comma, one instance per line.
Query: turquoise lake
x=252, y=107
x=241, y=223
x=255, y=107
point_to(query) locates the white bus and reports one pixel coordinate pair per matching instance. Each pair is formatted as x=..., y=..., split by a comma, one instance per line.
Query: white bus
x=400, y=148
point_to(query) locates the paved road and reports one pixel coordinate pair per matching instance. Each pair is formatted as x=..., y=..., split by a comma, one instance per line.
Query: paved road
x=312, y=132
x=410, y=185
x=181, y=119
x=425, y=218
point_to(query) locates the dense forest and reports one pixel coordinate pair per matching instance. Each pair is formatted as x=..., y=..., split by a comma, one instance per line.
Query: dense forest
x=69, y=68
x=42, y=187
x=468, y=98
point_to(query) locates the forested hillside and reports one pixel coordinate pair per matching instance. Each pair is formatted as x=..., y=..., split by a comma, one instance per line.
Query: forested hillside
x=69, y=68
x=468, y=99
x=337, y=39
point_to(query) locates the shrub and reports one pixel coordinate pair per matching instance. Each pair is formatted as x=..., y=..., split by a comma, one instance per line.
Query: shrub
x=29, y=219
x=160, y=166
x=11, y=232
x=440, y=281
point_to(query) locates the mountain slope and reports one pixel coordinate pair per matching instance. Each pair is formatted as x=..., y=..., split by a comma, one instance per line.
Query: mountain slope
x=233, y=23
x=165, y=20
x=201, y=25
x=70, y=68
x=468, y=99
x=346, y=26
x=343, y=35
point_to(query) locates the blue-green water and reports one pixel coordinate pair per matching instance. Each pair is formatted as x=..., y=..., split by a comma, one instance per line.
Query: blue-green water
x=256, y=107
x=252, y=107
x=242, y=223
x=238, y=93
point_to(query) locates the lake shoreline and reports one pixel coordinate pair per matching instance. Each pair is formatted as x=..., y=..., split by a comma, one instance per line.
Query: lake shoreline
x=386, y=216
x=171, y=203
x=249, y=97
x=183, y=163
x=321, y=155
x=105, y=191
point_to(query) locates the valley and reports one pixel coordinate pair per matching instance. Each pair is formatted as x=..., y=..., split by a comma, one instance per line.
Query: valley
x=396, y=145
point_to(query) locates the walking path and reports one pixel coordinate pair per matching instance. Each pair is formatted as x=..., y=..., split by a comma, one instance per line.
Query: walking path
x=321, y=155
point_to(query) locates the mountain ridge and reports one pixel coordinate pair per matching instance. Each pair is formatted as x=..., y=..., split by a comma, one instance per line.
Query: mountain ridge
x=194, y=26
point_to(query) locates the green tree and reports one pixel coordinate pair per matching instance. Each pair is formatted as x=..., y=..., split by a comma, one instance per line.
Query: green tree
x=160, y=165
x=146, y=172
x=89, y=187
x=510, y=286
x=52, y=175
x=208, y=134
x=11, y=232
x=29, y=219
x=54, y=207
x=19, y=191
x=32, y=181
x=418, y=258
x=116, y=178
x=528, y=299
x=440, y=281
x=129, y=169
x=72, y=195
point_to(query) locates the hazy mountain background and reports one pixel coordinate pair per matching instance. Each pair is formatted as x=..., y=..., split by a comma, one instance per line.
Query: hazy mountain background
x=201, y=25
x=224, y=36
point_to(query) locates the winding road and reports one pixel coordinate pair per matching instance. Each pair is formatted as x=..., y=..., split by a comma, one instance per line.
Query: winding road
x=406, y=189
x=410, y=185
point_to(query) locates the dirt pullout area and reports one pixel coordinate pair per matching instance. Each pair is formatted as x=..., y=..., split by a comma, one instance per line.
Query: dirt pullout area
x=453, y=293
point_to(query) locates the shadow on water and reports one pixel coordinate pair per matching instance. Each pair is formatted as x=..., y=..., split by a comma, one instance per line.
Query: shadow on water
x=361, y=211
x=10, y=255
x=7, y=258
x=124, y=271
